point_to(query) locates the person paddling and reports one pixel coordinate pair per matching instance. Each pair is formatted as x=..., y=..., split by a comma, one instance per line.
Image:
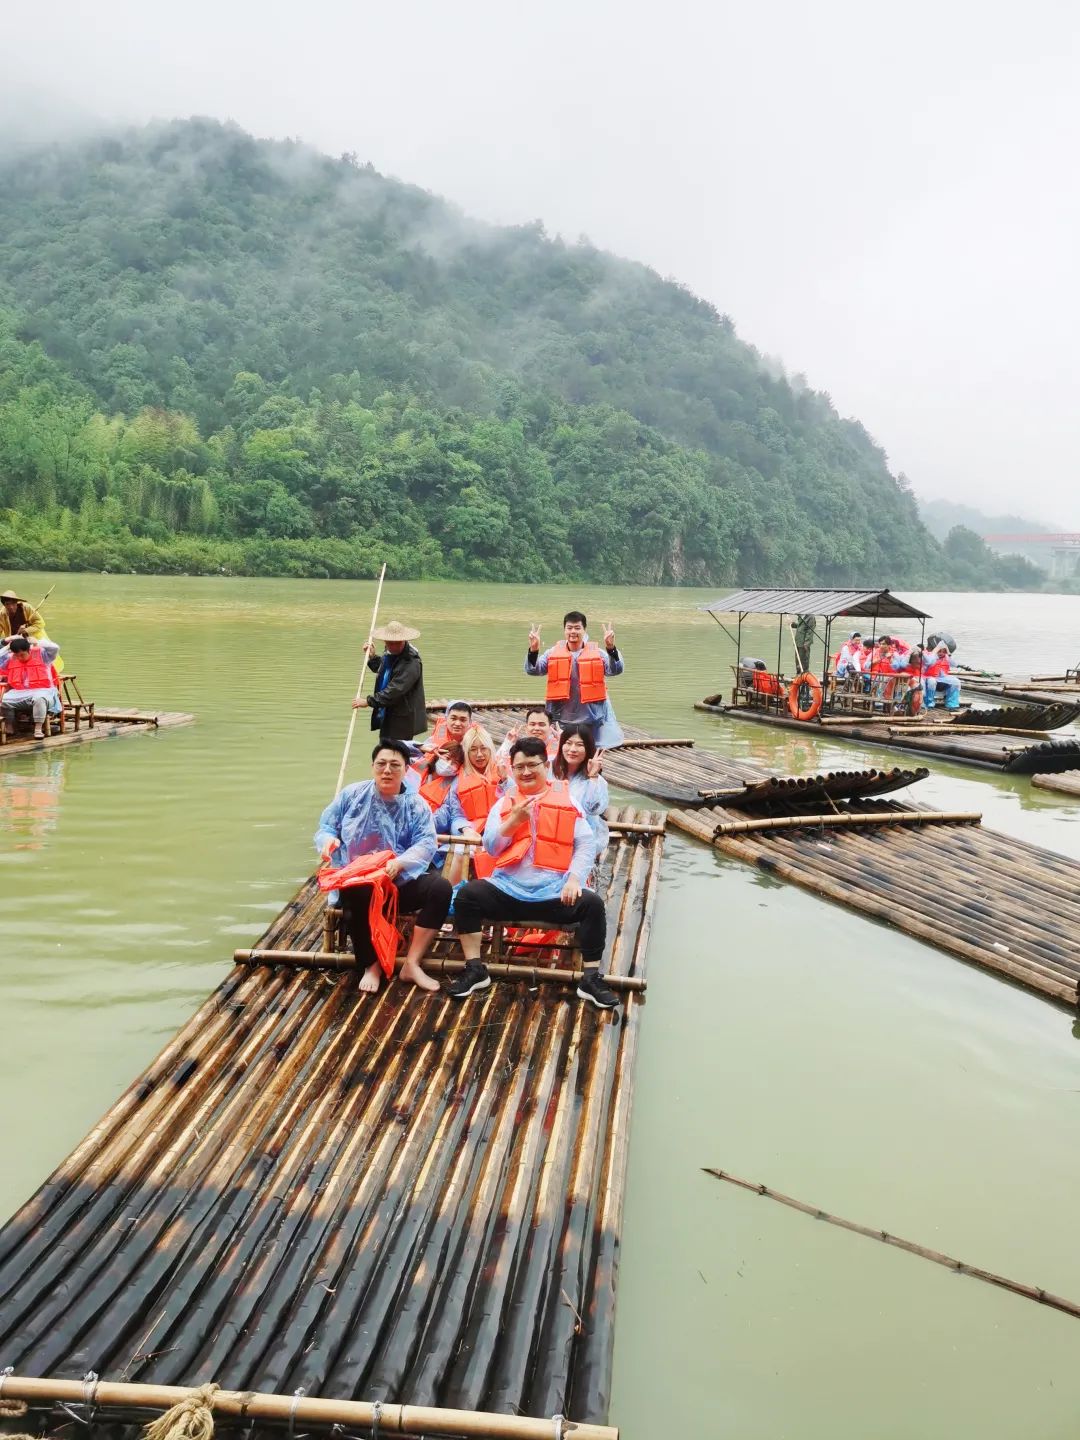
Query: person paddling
x=18, y=617
x=577, y=673
x=398, y=709
x=377, y=816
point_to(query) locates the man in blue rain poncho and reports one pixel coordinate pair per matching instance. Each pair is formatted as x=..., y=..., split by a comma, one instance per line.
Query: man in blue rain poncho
x=381, y=814
x=577, y=672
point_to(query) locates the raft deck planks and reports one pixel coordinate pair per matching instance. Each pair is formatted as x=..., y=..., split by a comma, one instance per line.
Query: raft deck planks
x=1006, y=906
x=998, y=752
x=392, y=1197
x=107, y=724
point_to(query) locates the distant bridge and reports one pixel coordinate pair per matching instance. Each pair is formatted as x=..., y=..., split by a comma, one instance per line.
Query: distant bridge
x=1064, y=550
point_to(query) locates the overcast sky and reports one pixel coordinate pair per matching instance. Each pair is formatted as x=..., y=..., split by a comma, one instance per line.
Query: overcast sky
x=882, y=196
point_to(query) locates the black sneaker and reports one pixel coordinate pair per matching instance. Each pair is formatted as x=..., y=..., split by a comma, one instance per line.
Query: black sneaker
x=592, y=988
x=473, y=977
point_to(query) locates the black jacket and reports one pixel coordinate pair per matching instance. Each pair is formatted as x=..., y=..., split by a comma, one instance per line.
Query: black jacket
x=401, y=712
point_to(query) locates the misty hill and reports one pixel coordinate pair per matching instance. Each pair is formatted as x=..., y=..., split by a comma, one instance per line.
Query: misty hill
x=225, y=351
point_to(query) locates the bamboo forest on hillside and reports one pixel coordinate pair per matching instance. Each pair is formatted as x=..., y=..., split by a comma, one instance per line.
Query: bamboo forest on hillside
x=225, y=354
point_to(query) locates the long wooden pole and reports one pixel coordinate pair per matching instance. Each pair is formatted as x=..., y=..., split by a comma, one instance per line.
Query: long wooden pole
x=1029, y=1292
x=850, y=820
x=344, y=960
x=360, y=683
x=305, y=1410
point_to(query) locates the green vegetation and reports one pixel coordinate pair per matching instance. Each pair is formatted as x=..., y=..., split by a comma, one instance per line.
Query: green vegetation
x=224, y=353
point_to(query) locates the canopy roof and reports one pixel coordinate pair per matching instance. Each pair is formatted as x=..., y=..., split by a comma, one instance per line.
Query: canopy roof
x=868, y=603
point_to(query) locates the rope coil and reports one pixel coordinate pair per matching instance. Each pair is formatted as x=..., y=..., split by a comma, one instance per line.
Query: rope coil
x=10, y=1409
x=189, y=1419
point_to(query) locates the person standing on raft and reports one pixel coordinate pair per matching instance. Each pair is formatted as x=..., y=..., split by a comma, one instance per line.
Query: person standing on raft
x=577, y=672
x=17, y=617
x=544, y=849
x=380, y=815
x=398, y=708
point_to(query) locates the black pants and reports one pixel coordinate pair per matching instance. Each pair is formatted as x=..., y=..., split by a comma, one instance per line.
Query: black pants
x=427, y=897
x=480, y=900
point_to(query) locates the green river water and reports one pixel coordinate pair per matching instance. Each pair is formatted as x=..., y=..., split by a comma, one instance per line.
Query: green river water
x=786, y=1039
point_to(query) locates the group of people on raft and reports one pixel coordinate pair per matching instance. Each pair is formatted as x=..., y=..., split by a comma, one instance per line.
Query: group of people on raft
x=29, y=682
x=529, y=813
x=928, y=669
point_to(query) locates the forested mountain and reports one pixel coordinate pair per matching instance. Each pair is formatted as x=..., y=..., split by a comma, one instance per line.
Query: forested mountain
x=217, y=351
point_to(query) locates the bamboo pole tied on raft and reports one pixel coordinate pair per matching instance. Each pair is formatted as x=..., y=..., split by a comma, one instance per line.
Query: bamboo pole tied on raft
x=360, y=683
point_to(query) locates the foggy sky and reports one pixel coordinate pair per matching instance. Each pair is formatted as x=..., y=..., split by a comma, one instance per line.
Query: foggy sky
x=883, y=197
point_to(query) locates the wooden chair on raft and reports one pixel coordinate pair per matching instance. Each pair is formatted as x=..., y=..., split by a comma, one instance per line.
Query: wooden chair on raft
x=502, y=942
x=74, y=709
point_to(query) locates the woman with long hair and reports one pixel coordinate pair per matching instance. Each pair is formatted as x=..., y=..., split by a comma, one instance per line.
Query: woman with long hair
x=581, y=765
x=474, y=793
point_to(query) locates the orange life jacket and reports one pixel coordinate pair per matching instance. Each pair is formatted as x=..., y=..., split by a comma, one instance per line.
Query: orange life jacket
x=438, y=736
x=766, y=684
x=555, y=816
x=28, y=671
x=382, y=908
x=476, y=796
x=591, y=678
x=435, y=788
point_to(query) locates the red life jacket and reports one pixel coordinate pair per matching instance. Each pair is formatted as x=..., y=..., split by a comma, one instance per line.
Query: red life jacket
x=591, y=678
x=556, y=815
x=382, y=908
x=28, y=671
x=938, y=666
x=438, y=736
x=477, y=796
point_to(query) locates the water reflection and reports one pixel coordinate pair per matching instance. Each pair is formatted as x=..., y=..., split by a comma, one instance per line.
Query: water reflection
x=30, y=800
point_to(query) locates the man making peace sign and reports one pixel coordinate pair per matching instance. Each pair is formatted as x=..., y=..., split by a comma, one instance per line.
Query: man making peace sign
x=577, y=672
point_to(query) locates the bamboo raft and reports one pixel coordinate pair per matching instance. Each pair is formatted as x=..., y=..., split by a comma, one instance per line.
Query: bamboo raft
x=104, y=726
x=394, y=1200
x=677, y=772
x=1066, y=782
x=1009, y=907
x=997, y=748
x=1033, y=689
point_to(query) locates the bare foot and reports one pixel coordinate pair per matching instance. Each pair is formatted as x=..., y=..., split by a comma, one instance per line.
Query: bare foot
x=371, y=979
x=412, y=970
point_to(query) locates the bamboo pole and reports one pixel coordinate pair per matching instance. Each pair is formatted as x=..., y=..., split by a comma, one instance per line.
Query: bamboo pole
x=652, y=743
x=335, y=960
x=849, y=820
x=1015, y=1287
x=360, y=683
x=304, y=1410
x=962, y=729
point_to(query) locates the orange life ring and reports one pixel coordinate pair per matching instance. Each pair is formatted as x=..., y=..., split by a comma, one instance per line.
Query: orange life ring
x=797, y=688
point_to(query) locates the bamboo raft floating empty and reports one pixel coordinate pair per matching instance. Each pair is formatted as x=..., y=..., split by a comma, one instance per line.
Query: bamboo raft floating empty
x=1066, y=782
x=394, y=1199
x=943, y=737
x=1011, y=908
x=106, y=725
x=1034, y=689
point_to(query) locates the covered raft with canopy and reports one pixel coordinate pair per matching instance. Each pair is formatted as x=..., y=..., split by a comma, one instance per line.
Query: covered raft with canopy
x=883, y=709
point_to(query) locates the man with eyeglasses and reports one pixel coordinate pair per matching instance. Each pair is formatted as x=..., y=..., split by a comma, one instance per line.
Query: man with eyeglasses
x=543, y=849
x=382, y=814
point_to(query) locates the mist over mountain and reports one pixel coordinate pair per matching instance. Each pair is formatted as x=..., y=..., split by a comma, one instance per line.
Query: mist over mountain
x=223, y=352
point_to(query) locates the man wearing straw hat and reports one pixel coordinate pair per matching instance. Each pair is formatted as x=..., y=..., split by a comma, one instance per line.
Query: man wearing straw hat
x=398, y=709
x=18, y=617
